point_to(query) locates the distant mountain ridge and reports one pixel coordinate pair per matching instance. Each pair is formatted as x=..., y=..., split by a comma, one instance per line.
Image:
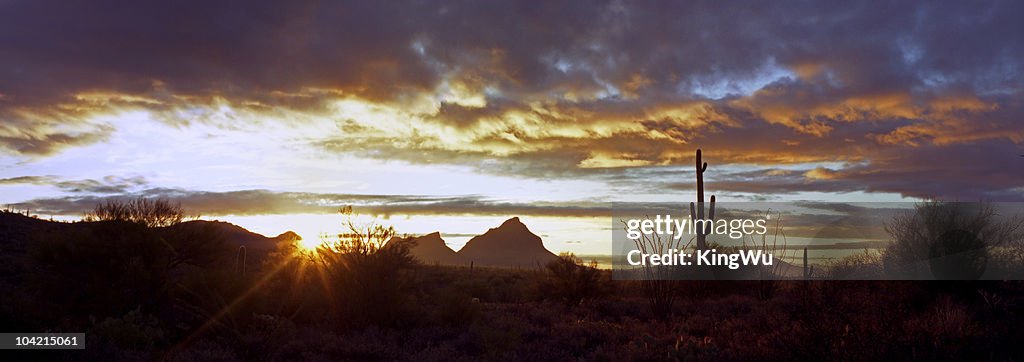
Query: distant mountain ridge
x=431, y=249
x=511, y=244
x=17, y=229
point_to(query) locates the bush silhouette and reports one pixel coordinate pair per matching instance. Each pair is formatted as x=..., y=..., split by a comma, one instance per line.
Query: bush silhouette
x=105, y=269
x=946, y=240
x=149, y=212
x=457, y=308
x=367, y=275
x=86, y=272
x=151, y=293
x=571, y=282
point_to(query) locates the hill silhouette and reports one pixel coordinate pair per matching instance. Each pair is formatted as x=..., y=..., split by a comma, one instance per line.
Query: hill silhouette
x=511, y=244
x=17, y=230
x=237, y=236
x=431, y=249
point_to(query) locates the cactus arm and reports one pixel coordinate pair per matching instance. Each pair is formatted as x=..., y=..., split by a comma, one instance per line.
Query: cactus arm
x=711, y=209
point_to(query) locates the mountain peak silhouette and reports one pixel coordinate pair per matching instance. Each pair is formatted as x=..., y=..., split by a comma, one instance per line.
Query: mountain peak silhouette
x=513, y=223
x=430, y=249
x=288, y=236
x=511, y=244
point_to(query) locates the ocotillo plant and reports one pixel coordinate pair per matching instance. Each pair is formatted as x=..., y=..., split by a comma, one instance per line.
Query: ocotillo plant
x=698, y=211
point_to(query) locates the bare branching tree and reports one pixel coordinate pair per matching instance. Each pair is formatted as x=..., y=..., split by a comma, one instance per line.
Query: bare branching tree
x=150, y=212
x=935, y=230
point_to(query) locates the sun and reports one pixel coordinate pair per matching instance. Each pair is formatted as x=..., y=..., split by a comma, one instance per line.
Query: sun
x=308, y=244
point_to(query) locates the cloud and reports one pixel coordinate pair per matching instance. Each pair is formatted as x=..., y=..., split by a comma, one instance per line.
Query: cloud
x=263, y=202
x=106, y=185
x=963, y=172
x=29, y=180
x=891, y=92
x=31, y=138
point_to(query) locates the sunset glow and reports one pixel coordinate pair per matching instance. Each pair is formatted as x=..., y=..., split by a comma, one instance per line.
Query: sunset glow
x=444, y=124
x=524, y=180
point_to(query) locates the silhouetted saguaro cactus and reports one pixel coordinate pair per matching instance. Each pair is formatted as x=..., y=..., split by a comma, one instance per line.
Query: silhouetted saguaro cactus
x=697, y=213
x=806, y=274
x=240, y=260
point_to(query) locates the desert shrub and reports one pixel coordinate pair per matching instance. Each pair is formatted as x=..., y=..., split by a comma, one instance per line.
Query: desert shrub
x=947, y=240
x=946, y=331
x=205, y=350
x=107, y=269
x=367, y=275
x=866, y=265
x=457, y=309
x=201, y=245
x=217, y=303
x=1007, y=260
x=135, y=331
x=264, y=336
x=150, y=212
x=571, y=282
x=104, y=269
x=512, y=288
x=479, y=284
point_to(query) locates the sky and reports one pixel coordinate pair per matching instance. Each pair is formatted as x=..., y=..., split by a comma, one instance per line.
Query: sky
x=454, y=115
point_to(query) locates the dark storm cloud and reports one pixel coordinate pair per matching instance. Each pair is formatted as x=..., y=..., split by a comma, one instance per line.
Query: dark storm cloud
x=54, y=50
x=200, y=48
x=898, y=93
x=963, y=172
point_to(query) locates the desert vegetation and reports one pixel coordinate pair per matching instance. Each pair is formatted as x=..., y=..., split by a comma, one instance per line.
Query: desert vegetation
x=943, y=241
x=145, y=291
x=952, y=241
x=148, y=212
